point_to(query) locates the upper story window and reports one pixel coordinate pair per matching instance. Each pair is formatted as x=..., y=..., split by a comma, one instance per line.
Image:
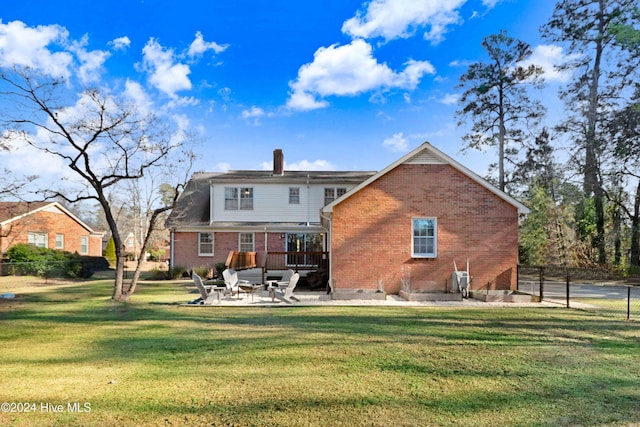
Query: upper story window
x=330, y=194
x=37, y=239
x=424, y=238
x=84, y=245
x=238, y=198
x=60, y=241
x=294, y=195
x=205, y=244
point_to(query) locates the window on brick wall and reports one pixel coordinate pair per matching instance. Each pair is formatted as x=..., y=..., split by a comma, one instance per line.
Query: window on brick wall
x=424, y=238
x=37, y=239
x=246, y=242
x=59, y=241
x=84, y=245
x=205, y=244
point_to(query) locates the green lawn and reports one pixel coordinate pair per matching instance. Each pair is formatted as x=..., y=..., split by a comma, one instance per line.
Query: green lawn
x=155, y=362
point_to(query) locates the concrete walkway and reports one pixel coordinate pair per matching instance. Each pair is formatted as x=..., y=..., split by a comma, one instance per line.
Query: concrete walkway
x=322, y=299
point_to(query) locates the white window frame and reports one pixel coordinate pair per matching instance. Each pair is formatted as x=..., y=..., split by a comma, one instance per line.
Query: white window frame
x=294, y=195
x=246, y=246
x=84, y=245
x=201, y=244
x=60, y=241
x=332, y=193
x=238, y=198
x=40, y=240
x=426, y=238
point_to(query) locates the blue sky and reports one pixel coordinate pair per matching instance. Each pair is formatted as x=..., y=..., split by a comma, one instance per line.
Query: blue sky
x=337, y=84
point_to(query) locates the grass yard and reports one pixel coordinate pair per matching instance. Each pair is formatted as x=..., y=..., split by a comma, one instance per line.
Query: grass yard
x=154, y=362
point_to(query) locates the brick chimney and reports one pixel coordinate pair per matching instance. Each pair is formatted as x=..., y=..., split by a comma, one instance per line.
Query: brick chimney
x=278, y=162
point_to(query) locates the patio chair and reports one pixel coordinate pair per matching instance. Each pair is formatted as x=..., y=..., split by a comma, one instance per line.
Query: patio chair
x=286, y=277
x=233, y=284
x=286, y=294
x=207, y=296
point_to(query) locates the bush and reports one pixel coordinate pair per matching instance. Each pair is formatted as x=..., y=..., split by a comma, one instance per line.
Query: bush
x=220, y=267
x=177, y=272
x=202, y=271
x=110, y=251
x=28, y=259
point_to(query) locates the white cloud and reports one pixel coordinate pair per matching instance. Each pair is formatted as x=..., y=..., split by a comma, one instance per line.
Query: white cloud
x=91, y=62
x=349, y=70
x=305, y=165
x=253, y=115
x=166, y=75
x=29, y=47
x=449, y=99
x=392, y=19
x=121, y=43
x=253, y=112
x=199, y=46
x=397, y=142
x=549, y=57
x=490, y=4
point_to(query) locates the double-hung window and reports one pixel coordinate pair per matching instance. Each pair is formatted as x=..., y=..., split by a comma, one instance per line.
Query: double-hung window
x=205, y=244
x=37, y=239
x=59, y=241
x=238, y=198
x=294, y=195
x=84, y=245
x=246, y=242
x=424, y=238
x=330, y=194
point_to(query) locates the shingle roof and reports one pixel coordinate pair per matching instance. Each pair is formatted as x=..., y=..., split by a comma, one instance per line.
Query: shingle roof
x=314, y=177
x=9, y=210
x=192, y=207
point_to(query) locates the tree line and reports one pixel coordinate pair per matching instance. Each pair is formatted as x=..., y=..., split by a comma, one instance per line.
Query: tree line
x=585, y=211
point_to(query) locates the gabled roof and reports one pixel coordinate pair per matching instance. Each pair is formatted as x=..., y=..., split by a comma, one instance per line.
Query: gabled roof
x=13, y=211
x=428, y=154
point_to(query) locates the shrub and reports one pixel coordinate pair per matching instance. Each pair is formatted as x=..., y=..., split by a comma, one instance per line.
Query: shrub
x=202, y=271
x=220, y=267
x=177, y=272
x=29, y=259
x=110, y=251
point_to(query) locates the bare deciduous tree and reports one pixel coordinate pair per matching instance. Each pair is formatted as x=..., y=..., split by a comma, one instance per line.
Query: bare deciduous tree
x=106, y=138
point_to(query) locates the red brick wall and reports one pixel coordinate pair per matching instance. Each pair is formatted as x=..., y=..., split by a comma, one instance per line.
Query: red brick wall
x=186, y=247
x=51, y=223
x=372, y=232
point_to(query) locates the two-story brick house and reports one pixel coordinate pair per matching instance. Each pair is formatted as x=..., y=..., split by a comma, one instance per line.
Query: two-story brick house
x=47, y=225
x=259, y=212
x=408, y=222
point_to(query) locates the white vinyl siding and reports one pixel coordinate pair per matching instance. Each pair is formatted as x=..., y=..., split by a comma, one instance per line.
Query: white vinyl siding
x=205, y=244
x=271, y=204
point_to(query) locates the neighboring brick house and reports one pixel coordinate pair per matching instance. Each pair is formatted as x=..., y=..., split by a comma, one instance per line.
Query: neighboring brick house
x=48, y=225
x=413, y=219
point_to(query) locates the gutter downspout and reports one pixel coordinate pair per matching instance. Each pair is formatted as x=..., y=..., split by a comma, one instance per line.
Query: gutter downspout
x=329, y=246
x=171, y=255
